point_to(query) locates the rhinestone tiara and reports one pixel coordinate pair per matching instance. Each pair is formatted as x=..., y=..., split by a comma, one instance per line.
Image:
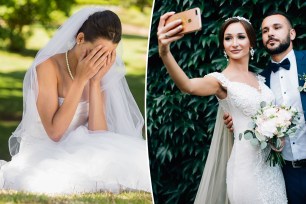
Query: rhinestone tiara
x=239, y=18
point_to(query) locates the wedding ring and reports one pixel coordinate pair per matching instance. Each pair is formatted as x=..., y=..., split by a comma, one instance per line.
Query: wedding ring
x=166, y=36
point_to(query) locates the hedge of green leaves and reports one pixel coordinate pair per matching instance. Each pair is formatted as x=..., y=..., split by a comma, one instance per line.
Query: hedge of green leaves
x=179, y=125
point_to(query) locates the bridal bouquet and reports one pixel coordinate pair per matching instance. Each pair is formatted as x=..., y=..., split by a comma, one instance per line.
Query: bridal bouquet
x=270, y=125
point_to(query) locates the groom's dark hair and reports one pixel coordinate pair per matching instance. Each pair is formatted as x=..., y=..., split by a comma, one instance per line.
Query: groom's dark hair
x=104, y=24
x=272, y=13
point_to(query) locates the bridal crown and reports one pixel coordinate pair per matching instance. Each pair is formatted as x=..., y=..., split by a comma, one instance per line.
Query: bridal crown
x=239, y=18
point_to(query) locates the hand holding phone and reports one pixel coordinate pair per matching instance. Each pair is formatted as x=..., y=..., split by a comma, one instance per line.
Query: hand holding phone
x=191, y=20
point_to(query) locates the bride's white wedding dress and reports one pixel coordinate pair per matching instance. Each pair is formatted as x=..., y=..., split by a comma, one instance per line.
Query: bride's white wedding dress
x=249, y=178
x=82, y=161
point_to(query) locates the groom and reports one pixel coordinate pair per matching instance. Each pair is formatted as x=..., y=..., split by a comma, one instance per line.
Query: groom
x=283, y=76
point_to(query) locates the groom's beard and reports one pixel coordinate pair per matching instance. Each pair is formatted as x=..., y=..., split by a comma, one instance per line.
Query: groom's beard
x=283, y=46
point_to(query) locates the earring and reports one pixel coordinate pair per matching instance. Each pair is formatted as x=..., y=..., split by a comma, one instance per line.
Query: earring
x=252, y=53
x=225, y=55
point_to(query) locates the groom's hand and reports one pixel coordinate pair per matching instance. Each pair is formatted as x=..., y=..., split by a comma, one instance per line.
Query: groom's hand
x=228, y=121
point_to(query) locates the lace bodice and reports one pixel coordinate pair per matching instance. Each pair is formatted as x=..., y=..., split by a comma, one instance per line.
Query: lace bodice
x=242, y=100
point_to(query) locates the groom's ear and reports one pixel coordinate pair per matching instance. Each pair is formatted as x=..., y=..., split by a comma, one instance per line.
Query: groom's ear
x=80, y=38
x=292, y=34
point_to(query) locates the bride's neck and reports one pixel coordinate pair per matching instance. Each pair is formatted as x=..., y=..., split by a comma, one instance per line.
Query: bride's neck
x=241, y=65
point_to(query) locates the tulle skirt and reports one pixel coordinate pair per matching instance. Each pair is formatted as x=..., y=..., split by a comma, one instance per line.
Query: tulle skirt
x=81, y=162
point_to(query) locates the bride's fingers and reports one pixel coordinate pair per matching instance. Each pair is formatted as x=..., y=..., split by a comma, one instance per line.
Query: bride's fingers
x=102, y=60
x=163, y=18
x=170, y=29
x=100, y=55
x=93, y=52
x=172, y=26
x=174, y=31
x=165, y=41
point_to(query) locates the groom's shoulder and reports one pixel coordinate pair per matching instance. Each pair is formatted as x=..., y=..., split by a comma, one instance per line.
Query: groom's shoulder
x=301, y=53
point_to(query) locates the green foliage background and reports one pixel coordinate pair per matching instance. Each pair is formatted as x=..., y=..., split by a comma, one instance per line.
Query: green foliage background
x=180, y=126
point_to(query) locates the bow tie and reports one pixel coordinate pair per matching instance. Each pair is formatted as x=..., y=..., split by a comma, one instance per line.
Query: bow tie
x=284, y=64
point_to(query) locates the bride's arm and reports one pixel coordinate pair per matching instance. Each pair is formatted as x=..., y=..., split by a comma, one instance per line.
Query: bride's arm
x=97, y=112
x=197, y=86
x=56, y=119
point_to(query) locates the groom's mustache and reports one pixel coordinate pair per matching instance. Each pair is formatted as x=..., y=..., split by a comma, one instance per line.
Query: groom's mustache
x=271, y=39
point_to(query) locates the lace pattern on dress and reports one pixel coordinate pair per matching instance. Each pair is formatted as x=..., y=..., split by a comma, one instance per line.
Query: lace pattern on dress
x=220, y=77
x=269, y=180
x=261, y=78
x=224, y=83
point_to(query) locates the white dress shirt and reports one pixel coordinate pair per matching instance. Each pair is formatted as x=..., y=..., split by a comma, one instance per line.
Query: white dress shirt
x=284, y=84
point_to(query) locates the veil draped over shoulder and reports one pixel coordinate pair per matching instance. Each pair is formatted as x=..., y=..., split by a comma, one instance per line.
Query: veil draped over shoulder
x=122, y=113
x=212, y=188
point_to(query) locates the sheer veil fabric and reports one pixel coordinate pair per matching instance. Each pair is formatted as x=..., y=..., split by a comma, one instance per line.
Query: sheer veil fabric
x=212, y=188
x=122, y=113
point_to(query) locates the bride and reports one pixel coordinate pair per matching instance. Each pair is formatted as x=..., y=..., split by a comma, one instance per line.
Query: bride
x=245, y=177
x=81, y=129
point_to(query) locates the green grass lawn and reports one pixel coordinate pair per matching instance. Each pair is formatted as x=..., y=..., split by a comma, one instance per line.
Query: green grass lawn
x=98, y=198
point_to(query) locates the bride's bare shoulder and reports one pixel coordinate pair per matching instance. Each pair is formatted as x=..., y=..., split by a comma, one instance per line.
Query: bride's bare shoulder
x=48, y=68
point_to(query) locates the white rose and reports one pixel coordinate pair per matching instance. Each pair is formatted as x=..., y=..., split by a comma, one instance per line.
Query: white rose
x=267, y=128
x=271, y=111
x=286, y=115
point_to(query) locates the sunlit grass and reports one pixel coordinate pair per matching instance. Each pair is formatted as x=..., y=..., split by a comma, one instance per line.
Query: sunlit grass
x=105, y=198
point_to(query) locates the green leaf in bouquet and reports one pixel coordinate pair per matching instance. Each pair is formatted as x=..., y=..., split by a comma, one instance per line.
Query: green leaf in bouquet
x=259, y=136
x=300, y=88
x=263, y=104
x=254, y=141
x=248, y=134
x=275, y=158
x=263, y=145
x=240, y=136
x=278, y=143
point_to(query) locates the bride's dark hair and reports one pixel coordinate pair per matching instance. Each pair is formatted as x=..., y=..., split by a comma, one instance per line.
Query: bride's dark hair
x=247, y=26
x=104, y=24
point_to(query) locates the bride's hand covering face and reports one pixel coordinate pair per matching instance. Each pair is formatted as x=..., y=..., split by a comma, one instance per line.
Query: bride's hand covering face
x=168, y=33
x=108, y=59
x=89, y=64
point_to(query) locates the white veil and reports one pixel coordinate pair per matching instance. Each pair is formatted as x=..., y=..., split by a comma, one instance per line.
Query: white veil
x=212, y=188
x=122, y=113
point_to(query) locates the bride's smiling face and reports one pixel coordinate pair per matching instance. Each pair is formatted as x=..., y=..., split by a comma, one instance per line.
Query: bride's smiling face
x=236, y=42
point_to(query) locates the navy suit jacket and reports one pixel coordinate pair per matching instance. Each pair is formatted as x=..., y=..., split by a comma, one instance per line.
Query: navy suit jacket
x=301, y=68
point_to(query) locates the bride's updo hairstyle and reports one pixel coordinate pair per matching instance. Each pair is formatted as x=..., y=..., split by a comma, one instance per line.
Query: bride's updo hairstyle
x=245, y=23
x=104, y=24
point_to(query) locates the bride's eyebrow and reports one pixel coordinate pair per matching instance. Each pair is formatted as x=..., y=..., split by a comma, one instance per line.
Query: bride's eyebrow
x=230, y=34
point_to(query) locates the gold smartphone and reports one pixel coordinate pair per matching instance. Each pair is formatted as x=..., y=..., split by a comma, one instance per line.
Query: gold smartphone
x=191, y=20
